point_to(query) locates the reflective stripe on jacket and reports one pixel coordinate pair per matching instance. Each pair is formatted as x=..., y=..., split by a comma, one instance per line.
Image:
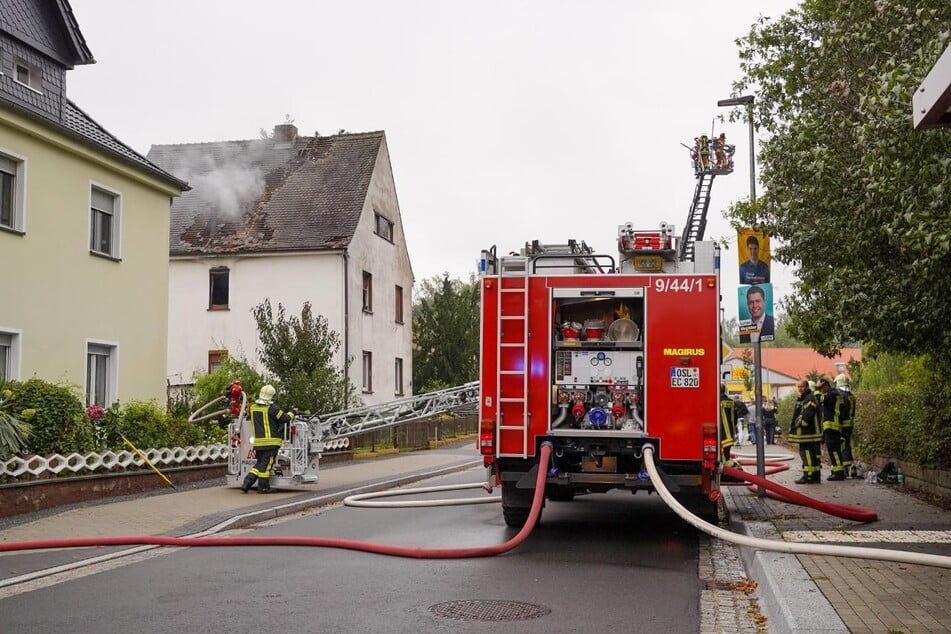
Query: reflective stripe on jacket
x=269, y=423
x=805, y=421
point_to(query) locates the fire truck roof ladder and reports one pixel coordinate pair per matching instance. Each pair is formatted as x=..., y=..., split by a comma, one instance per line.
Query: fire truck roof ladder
x=697, y=216
x=513, y=346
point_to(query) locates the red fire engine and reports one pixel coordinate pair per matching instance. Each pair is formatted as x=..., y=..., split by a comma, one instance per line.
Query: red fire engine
x=599, y=357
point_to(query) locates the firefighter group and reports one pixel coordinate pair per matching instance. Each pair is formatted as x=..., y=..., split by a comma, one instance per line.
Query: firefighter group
x=823, y=416
x=711, y=153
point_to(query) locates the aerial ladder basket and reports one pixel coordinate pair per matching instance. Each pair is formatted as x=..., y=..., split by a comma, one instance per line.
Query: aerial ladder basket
x=710, y=158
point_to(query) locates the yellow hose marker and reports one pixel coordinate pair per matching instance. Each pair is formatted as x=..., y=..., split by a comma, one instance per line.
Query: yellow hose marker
x=142, y=455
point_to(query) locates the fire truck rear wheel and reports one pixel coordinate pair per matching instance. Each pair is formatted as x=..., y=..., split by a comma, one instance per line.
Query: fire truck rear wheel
x=703, y=508
x=517, y=505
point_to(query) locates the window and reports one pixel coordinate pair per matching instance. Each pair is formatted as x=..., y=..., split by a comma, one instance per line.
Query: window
x=398, y=304
x=104, y=222
x=11, y=192
x=100, y=374
x=27, y=74
x=398, y=374
x=384, y=228
x=218, y=288
x=367, y=292
x=367, y=372
x=9, y=355
x=215, y=359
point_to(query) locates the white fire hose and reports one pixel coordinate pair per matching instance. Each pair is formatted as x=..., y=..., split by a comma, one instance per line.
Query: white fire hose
x=880, y=554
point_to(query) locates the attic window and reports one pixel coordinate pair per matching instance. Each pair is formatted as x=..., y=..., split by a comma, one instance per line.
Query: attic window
x=27, y=74
x=384, y=228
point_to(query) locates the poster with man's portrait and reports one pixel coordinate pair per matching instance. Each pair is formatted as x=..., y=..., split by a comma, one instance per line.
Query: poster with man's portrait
x=755, y=312
x=753, y=254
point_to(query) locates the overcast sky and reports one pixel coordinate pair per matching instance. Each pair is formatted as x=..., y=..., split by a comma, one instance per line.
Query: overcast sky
x=506, y=121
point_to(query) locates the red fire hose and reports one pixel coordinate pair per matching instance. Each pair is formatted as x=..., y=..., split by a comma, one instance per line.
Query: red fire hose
x=322, y=542
x=845, y=511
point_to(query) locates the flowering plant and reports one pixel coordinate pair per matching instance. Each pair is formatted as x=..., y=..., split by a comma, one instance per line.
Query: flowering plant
x=95, y=412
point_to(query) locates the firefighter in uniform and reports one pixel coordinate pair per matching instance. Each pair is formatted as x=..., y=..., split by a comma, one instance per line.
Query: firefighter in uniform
x=727, y=426
x=270, y=423
x=831, y=408
x=847, y=421
x=804, y=430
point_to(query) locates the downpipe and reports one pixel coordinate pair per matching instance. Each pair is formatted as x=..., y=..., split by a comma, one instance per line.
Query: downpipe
x=321, y=542
x=880, y=554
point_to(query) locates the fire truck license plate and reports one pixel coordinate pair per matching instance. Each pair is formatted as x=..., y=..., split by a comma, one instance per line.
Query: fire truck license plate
x=685, y=377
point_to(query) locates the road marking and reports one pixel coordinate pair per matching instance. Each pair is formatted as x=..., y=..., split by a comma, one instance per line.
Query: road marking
x=870, y=537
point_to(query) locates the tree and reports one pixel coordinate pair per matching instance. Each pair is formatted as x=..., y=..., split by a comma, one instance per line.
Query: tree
x=299, y=352
x=855, y=198
x=445, y=333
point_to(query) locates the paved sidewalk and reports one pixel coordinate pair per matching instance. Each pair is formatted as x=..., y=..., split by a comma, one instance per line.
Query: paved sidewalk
x=808, y=593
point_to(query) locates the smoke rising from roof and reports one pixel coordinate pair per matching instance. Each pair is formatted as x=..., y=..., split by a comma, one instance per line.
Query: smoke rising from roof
x=225, y=178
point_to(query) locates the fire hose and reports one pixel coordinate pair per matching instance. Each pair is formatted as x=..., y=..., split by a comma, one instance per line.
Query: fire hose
x=322, y=542
x=518, y=538
x=783, y=494
x=899, y=556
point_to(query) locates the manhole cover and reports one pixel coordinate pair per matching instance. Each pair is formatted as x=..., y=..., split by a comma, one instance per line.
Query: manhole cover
x=488, y=610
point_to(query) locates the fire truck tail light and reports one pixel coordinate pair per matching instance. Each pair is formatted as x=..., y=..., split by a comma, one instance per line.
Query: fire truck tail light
x=710, y=451
x=487, y=437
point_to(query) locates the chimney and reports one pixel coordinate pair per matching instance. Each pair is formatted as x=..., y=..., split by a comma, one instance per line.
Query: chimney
x=285, y=132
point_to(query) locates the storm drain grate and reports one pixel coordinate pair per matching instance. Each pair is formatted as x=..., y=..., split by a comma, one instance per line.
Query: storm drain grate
x=489, y=610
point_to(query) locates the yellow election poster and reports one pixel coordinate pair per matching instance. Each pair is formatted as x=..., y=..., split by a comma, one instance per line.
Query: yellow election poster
x=753, y=253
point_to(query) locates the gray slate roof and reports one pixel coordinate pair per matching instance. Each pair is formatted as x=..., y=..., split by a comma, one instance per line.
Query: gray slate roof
x=82, y=125
x=48, y=26
x=264, y=196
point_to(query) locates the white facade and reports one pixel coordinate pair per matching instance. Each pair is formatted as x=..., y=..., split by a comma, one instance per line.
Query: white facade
x=331, y=280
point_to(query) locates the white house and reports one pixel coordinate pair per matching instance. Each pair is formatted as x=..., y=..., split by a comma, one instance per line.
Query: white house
x=292, y=219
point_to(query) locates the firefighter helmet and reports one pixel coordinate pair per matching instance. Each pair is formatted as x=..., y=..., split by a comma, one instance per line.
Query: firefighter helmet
x=841, y=381
x=267, y=393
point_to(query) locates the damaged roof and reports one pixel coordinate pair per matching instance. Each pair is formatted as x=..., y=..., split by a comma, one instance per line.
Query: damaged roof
x=269, y=195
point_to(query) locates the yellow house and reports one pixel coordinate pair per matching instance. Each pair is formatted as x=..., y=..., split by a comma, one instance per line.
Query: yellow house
x=84, y=224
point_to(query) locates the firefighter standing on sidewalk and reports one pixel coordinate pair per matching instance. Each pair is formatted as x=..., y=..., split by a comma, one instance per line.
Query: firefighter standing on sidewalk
x=727, y=425
x=270, y=423
x=846, y=419
x=804, y=430
x=831, y=408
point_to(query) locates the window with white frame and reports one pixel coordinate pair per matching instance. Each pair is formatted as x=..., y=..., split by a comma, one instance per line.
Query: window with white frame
x=27, y=74
x=104, y=222
x=9, y=352
x=11, y=192
x=367, y=372
x=398, y=374
x=101, y=361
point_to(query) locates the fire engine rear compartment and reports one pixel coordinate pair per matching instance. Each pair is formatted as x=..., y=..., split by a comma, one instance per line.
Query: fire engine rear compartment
x=599, y=365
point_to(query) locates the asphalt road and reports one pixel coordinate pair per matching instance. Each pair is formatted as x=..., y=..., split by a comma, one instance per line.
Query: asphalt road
x=613, y=562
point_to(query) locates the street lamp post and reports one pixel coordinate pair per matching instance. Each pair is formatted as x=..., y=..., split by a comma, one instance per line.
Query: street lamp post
x=748, y=101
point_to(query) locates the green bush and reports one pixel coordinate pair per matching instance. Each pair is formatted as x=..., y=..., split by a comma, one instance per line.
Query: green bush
x=59, y=420
x=147, y=426
x=211, y=386
x=910, y=419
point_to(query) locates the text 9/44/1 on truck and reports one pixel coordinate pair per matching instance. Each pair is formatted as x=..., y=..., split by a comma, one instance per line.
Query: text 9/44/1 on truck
x=600, y=357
